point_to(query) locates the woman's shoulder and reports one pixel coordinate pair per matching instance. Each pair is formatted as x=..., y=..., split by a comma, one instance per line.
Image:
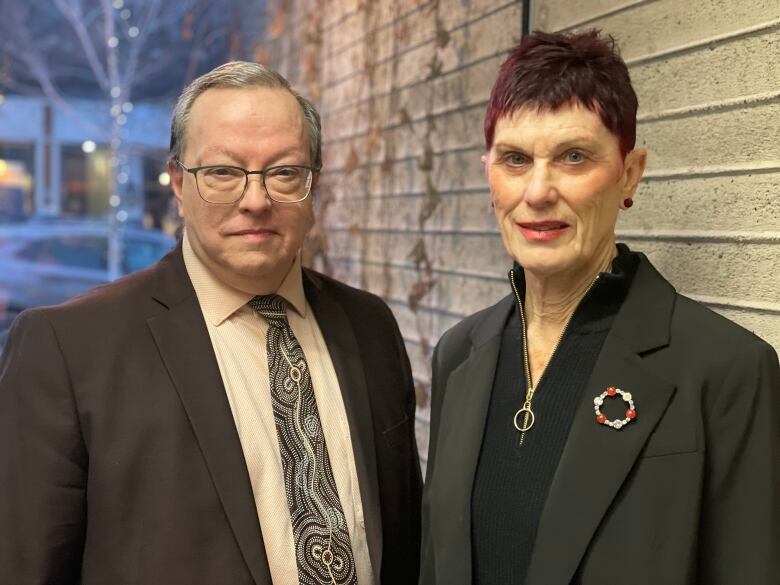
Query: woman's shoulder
x=708, y=333
x=477, y=328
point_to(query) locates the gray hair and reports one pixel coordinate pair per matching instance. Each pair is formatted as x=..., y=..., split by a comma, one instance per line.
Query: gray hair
x=241, y=74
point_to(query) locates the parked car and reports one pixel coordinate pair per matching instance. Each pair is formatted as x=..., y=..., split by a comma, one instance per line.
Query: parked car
x=47, y=262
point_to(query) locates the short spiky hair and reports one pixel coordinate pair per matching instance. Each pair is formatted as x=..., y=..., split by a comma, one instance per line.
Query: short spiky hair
x=550, y=70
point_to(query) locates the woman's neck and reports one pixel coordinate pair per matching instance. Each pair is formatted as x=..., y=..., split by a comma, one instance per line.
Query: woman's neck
x=551, y=300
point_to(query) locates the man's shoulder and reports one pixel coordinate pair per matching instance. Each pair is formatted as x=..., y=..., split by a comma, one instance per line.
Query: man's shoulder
x=105, y=305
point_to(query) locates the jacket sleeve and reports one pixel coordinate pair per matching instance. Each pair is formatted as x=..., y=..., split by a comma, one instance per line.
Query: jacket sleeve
x=43, y=460
x=427, y=562
x=740, y=532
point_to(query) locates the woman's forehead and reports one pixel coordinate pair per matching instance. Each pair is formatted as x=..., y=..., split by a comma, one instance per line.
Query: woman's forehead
x=563, y=125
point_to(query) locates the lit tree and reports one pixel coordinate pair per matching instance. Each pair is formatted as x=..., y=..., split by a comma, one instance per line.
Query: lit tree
x=116, y=51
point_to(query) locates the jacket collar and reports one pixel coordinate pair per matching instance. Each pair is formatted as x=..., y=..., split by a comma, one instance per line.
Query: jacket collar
x=185, y=348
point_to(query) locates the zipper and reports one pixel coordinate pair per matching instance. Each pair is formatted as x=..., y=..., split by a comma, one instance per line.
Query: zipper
x=528, y=417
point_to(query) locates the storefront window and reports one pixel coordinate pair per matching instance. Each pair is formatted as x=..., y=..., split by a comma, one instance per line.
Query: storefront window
x=17, y=166
x=85, y=182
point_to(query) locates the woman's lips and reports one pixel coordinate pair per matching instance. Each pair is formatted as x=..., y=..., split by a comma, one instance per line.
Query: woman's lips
x=542, y=231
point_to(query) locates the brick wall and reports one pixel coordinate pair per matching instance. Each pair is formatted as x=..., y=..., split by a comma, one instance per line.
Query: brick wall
x=403, y=205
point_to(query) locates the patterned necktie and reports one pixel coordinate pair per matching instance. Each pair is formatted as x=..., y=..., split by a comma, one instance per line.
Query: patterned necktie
x=322, y=548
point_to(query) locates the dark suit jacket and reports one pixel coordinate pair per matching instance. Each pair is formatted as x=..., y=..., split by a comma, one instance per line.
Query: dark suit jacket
x=119, y=459
x=688, y=492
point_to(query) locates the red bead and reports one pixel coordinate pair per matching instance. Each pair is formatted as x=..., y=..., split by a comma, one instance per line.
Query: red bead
x=611, y=391
x=601, y=419
x=630, y=413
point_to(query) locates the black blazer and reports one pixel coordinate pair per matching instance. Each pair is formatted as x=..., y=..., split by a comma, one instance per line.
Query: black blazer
x=689, y=492
x=119, y=459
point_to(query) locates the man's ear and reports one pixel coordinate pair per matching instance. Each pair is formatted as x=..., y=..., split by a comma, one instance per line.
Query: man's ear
x=177, y=179
x=314, y=182
x=633, y=170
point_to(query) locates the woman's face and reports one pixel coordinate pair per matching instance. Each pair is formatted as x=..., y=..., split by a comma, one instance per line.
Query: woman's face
x=557, y=180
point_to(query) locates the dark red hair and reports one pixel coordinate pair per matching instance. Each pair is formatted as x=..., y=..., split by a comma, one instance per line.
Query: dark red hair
x=551, y=70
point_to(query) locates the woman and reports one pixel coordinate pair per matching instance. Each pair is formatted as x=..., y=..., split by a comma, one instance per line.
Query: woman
x=594, y=426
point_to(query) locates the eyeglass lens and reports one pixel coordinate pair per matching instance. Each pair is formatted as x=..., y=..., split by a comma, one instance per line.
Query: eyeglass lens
x=227, y=184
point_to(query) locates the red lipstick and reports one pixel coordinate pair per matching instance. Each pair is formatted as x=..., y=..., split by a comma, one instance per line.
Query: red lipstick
x=542, y=231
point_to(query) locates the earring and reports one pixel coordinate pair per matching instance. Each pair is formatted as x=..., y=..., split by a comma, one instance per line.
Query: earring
x=628, y=202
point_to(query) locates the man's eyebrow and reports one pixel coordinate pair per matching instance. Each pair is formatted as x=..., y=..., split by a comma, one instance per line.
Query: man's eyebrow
x=219, y=151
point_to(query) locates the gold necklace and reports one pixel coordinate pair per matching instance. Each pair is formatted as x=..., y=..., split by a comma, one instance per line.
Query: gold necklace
x=527, y=414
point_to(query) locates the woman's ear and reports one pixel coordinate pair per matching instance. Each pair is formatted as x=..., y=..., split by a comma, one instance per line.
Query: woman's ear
x=633, y=170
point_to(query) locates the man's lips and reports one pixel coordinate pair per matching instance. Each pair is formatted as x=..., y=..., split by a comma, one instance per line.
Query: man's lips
x=254, y=233
x=542, y=230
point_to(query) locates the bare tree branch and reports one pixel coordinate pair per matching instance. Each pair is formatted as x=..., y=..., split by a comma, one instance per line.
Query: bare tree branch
x=71, y=10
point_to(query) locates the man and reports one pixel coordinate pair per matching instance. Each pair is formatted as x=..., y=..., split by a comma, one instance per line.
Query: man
x=225, y=417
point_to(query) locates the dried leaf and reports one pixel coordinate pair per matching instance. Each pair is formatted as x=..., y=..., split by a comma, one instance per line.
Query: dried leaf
x=404, y=116
x=309, y=64
x=374, y=136
x=435, y=67
x=387, y=164
x=402, y=32
x=418, y=254
x=418, y=292
x=425, y=162
x=261, y=54
x=315, y=91
x=431, y=202
x=421, y=394
x=442, y=36
x=352, y=162
x=278, y=21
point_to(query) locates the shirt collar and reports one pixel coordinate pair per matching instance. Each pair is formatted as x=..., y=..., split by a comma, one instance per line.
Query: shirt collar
x=219, y=300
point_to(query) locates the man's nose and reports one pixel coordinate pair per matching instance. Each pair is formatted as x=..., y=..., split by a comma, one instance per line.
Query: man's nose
x=255, y=197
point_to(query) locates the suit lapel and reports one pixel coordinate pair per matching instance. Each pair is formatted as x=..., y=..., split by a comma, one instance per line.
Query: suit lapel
x=184, y=345
x=350, y=370
x=597, y=459
x=463, y=416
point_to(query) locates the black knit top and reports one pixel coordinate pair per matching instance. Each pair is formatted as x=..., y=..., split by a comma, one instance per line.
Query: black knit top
x=512, y=480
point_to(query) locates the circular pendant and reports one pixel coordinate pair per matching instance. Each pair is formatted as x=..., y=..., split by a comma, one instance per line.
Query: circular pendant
x=527, y=419
x=327, y=557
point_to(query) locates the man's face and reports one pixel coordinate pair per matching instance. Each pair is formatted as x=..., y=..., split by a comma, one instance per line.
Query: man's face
x=252, y=244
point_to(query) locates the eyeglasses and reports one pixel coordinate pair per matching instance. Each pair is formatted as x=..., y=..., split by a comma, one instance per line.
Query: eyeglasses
x=224, y=185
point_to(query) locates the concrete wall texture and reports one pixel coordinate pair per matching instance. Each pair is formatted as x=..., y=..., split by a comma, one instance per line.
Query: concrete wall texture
x=403, y=205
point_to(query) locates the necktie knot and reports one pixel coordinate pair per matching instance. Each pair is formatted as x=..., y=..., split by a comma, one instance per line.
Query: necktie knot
x=271, y=307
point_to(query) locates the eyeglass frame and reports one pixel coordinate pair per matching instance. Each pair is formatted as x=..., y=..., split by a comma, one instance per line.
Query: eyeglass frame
x=261, y=172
